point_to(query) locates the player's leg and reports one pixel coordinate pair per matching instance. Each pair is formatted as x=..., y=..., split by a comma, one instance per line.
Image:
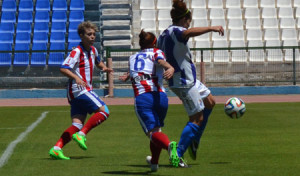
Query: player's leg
x=91, y=103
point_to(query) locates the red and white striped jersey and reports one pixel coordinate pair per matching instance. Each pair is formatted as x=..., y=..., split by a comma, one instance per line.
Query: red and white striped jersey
x=81, y=62
x=145, y=73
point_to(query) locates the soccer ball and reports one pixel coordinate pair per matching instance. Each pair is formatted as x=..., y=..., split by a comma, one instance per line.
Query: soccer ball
x=235, y=107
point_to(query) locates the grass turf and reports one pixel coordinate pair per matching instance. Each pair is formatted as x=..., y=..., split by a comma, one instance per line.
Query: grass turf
x=265, y=141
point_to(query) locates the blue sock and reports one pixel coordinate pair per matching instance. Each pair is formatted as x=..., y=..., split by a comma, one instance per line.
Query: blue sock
x=206, y=113
x=188, y=134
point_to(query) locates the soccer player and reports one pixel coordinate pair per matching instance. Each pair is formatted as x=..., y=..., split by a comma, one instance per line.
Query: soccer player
x=196, y=97
x=78, y=67
x=147, y=68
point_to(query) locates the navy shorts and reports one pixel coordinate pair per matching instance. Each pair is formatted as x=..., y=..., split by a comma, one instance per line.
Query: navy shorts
x=151, y=109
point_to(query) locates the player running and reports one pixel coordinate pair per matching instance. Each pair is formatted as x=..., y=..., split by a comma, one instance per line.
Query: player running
x=78, y=67
x=147, y=68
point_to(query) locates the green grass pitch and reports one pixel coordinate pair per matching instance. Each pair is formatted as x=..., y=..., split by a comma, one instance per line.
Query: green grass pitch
x=264, y=142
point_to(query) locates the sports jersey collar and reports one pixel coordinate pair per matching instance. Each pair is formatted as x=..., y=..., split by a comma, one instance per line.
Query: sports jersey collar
x=82, y=48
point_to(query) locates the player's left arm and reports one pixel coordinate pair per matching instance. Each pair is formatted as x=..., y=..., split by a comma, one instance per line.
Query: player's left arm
x=103, y=67
x=196, y=31
x=169, y=70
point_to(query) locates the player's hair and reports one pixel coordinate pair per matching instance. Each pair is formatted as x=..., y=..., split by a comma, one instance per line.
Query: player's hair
x=179, y=11
x=147, y=39
x=85, y=25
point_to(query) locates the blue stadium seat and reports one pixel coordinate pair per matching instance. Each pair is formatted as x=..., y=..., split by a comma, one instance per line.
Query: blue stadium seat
x=8, y=17
x=76, y=15
x=8, y=38
x=73, y=25
x=24, y=27
x=39, y=46
x=42, y=16
x=21, y=47
x=72, y=44
x=5, y=47
x=9, y=5
x=58, y=27
x=73, y=37
x=23, y=37
x=25, y=5
x=57, y=46
x=56, y=58
x=77, y=5
x=5, y=59
x=59, y=5
x=59, y=16
x=21, y=59
x=40, y=37
x=7, y=27
x=41, y=27
x=38, y=58
x=42, y=5
x=57, y=37
x=25, y=16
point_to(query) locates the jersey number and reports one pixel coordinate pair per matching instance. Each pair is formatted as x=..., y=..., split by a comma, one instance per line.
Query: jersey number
x=139, y=62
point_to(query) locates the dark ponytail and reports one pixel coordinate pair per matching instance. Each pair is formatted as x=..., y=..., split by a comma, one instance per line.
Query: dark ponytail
x=147, y=39
x=179, y=11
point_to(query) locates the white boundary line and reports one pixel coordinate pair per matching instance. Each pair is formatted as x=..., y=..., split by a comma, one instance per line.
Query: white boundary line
x=10, y=148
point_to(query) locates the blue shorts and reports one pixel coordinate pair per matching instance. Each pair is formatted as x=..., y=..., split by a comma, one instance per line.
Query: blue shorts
x=151, y=109
x=88, y=102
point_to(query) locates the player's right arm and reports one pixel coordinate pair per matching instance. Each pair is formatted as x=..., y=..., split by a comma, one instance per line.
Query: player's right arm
x=68, y=73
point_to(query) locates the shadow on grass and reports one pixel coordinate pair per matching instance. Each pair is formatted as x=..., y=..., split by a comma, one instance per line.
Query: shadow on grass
x=221, y=162
x=128, y=173
x=71, y=157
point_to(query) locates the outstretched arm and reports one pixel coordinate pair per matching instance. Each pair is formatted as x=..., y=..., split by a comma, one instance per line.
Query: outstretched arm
x=102, y=66
x=196, y=31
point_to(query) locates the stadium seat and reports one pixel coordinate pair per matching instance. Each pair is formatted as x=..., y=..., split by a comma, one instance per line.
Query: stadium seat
x=297, y=13
x=237, y=34
x=38, y=59
x=271, y=34
x=7, y=27
x=42, y=16
x=59, y=16
x=39, y=46
x=72, y=44
x=42, y=5
x=252, y=13
x=24, y=27
x=289, y=34
x=76, y=16
x=165, y=4
x=73, y=37
x=238, y=55
x=56, y=58
x=233, y=4
x=58, y=27
x=147, y=4
x=40, y=37
x=288, y=53
x=164, y=24
x=206, y=53
x=7, y=38
x=57, y=37
x=216, y=13
x=77, y=5
x=57, y=46
x=253, y=23
x=218, y=22
x=287, y=23
x=284, y=3
x=59, y=5
x=234, y=13
x=200, y=23
x=270, y=23
x=199, y=14
x=21, y=47
x=21, y=59
x=221, y=55
x=203, y=37
x=274, y=54
x=286, y=12
x=215, y=36
x=5, y=47
x=8, y=5
x=8, y=16
x=254, y=34
x=235, y=24
x=25, y=16
x=256, y=55
x=73, y=25
x=250, y=4
x=215, y=4
x=148, y=25
x=41, y=27
x=5, y=59
x=23, y=37
x=267, y=3
x=163, y=15
x=296, y=3
x=269, y=12
x=199, y=4
x=149, y=14
x=25, y=5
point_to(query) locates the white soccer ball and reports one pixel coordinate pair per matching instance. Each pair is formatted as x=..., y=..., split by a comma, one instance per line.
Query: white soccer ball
x=235, y=107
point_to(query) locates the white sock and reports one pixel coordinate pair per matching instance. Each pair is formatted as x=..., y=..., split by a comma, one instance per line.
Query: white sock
x=81, y=133
x=56, y=148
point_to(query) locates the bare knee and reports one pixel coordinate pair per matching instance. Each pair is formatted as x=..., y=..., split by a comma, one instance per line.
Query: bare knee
x=209, y=101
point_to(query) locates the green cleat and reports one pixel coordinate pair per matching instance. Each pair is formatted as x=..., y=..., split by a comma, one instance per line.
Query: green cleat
x=57, y=154
x=80, y=139
x=173, y=157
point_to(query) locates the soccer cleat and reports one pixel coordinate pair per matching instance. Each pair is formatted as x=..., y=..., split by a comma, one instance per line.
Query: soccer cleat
x=182, y=163
x=154, y=167
x=173, y=157
x=57, y=154
x=80, y=139
x=193, y=150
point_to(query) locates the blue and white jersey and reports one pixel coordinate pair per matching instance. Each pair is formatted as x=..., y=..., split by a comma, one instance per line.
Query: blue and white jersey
x=179, y=56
